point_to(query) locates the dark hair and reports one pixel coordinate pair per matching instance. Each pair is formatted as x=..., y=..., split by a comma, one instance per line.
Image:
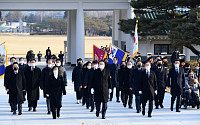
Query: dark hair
x=48, y=60
x=158, y=60
x=95, y=62
x=116, y=58
x=12, y=58
x=58, y=60
x=33, y=59
x=54, y=68
x=21, y=58
x=122, y=62
x=176, y=60
x=187, y=64
x=15, y=63
x=101, y=61
x=79, y=59
x=88, y=63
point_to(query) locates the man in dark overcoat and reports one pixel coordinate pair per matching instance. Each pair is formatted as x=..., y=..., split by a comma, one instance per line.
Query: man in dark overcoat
x=101, y=85
x=176, y=82
x=32, y=75
x=15, y=87
x=148, y=88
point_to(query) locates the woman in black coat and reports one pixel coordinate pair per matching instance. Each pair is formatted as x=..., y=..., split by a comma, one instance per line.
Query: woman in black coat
x=77, y=79
x=56, y=89
x=101, y=85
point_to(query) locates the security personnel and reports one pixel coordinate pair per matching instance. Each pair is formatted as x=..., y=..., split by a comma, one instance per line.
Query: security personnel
x=164, y=59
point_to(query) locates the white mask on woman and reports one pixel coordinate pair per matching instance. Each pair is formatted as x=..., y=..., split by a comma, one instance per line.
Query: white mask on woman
x=55, y=73
x=57, y=64
x=89, y=67
x=101, y=66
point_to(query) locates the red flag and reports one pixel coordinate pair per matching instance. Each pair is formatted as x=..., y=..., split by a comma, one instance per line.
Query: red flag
x=98, y=54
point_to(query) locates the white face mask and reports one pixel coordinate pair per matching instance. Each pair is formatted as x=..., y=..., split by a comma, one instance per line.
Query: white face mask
x=29, y=64
x=129, y=66
x=180, y=58
x=32, y=65
x=197, y=67
x=89, y=67
x=101, y=66
x=147, y=68
x=21, y=62
x=147, y=56
x=57, y=64
x=95, y=66
x=50, y=65
x=162, y=56
x=55, y=73
x=176, y=65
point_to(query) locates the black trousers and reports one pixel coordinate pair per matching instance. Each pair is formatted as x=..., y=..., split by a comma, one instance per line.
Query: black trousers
x=144, y=101
x=48, y=104
x=32, y=103
x=138, y=102
x=117, y=93
x=178, y=99
x=14, y=106
x=104, y=108
x=159, y=98
x=128, y=97
x=78, y=95
x=123, y=96
x=92, y=101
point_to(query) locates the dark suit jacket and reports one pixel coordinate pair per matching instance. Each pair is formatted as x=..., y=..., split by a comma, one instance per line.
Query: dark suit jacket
x=176, y=81
x=148, y=85
x=161, y=75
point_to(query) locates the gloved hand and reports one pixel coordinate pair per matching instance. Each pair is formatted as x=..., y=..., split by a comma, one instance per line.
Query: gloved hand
x=72, y=82
x=110, y=90
x=47, y=95
x=92, y=91
x=156, y=92
x=140, y=92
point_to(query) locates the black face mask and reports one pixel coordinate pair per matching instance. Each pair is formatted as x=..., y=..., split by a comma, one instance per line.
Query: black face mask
x=15, y=68
x=80, y=63
x=123, y=66
x=159, y=64
x=139, y=66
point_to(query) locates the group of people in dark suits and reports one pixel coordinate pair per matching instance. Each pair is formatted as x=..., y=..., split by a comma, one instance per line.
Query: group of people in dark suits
x=147, y=81
x=21, y=79
x=95, y=83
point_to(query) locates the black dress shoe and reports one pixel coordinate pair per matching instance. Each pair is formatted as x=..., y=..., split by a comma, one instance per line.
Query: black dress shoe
x=130, y=107
x=143, y=113
x=124, y=105
x=157, y=107
x=34, y=109
x=117, y=101
x=178, y=111
x=171, y=108
x=48, y=112
x=30, y=108
x=97, y=114
x=138, y=111
x=110, y=99
x=91, y=110
x=161, y=106
x=20, y=113
x=14, y=112
x=103, y=117
x=149, y=115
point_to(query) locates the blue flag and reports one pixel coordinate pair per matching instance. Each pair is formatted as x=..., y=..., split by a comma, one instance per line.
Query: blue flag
x=116, y=52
